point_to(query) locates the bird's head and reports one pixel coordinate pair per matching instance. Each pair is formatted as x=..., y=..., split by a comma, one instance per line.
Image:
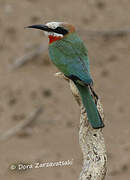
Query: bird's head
x=55, y=30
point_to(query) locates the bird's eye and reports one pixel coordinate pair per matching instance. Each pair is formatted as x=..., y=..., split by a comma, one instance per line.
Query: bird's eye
x=61, y=30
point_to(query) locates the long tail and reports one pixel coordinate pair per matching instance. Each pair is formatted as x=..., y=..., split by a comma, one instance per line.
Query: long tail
x=93, y=115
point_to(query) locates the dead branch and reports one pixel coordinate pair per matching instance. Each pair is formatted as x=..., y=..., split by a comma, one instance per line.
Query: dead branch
x=91, y=142
x=107, y=33
x=29, y=56
x=14, y=130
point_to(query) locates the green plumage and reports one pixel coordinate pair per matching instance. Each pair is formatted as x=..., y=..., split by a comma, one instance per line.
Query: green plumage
x=71, y=57
x=91, y=109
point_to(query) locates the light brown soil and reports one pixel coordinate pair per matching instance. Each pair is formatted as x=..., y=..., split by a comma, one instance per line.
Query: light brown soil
x=54, y=135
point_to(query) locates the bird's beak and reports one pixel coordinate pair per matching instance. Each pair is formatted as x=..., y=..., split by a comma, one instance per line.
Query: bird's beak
x=41, y=27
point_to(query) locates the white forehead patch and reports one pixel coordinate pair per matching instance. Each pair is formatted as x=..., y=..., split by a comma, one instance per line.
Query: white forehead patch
x=53, y=25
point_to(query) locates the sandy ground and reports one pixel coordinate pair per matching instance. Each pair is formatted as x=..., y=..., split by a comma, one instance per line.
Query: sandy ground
x=54, y=134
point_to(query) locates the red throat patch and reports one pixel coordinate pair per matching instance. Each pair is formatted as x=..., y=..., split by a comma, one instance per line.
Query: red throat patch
x=54, y=38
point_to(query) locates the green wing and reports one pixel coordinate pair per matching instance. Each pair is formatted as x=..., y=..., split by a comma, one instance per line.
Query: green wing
x=70, y=56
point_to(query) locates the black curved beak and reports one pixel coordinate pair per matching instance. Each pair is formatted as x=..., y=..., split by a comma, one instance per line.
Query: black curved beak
x=59, y=30
x=41, y=27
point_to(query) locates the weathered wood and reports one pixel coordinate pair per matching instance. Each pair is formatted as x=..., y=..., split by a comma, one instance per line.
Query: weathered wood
x=91, y=142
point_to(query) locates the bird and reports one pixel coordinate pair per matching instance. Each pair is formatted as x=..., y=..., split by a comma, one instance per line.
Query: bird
x=69, y=54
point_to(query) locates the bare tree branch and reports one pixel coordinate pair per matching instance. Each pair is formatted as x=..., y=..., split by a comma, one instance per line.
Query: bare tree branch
x=91, y=142
x=13, y=131
x=29, y=56
x=107, y=33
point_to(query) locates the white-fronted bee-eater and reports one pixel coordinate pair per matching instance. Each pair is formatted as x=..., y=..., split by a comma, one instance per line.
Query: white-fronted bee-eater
x=69, y=54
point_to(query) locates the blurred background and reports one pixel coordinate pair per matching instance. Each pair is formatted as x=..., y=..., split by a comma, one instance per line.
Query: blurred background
x=52, y=132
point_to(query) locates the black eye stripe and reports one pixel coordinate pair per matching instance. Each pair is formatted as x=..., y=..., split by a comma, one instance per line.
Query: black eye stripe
x=60, y=30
